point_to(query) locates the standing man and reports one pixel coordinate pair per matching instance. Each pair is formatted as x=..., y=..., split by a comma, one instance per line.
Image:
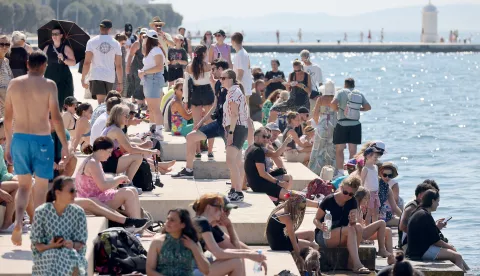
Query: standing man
x=30, y=99
x=186, y=45
x=104, y=58
x=315, y=73
x=348, y=103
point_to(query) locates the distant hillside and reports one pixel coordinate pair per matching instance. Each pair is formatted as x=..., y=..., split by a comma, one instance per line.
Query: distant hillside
x=463, y=17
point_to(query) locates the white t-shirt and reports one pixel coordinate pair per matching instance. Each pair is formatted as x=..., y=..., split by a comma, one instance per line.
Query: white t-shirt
x=104, y=49
x=149, y=60
x=98, y=127
x=315, y=75
x=242, y=61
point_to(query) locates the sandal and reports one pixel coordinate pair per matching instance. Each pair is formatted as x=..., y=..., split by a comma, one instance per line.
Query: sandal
x=361, y=270
x=156, y=226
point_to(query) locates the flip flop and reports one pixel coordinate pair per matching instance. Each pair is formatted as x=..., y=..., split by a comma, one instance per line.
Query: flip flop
x=156, y=226
x=361, y=270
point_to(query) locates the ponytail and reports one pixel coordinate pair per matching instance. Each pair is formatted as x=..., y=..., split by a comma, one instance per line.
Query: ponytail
x=197, y=62
x=51, y=196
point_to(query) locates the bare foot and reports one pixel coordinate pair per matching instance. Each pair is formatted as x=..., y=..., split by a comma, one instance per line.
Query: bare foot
x=164, y=171
x=391, y=259
x=384, y=253
x=17, y=236
x=166, y=165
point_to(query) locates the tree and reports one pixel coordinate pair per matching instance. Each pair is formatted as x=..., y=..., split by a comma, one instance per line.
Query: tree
x=78, y=13
x=6, y=11
x=43, y=14
x=28, y=22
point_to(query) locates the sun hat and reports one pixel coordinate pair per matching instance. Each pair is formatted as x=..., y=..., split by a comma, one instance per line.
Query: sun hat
x=143, y=31
x=328, y=89
x=389, y=165
x=272, y=126
x=152, y=34
x=156, y=21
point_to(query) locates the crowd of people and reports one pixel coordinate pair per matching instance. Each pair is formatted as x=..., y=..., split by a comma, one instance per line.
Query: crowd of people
x=265, y=120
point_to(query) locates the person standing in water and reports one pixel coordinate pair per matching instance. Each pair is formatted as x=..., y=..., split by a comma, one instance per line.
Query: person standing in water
x=30, y=100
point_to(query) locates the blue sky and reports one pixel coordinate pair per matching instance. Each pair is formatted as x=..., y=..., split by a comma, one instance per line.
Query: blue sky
x=194, y=10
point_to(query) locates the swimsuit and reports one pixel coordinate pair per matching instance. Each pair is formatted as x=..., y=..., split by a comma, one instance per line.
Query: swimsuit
x=33, y=154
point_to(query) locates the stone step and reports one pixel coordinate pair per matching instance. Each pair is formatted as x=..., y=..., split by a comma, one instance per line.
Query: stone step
x=17, y=260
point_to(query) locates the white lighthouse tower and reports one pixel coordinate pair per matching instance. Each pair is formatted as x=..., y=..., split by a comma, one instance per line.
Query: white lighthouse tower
x=429, y=23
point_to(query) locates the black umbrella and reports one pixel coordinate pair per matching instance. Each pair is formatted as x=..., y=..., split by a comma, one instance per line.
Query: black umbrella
x=73, y=36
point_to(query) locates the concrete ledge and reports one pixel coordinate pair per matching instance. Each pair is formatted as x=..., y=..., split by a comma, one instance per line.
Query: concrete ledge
x=18, y=260
x=301, y=175
x=337, y=258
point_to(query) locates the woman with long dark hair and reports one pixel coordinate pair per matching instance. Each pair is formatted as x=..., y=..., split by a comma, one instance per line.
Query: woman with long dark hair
x=59, y=232
x=176, y=250
x=196, y=88
x=207, y=41
x=82, y=131
x=153, y=82
x=60, y=56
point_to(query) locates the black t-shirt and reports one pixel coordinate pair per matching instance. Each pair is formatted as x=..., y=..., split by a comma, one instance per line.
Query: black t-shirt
x=256, y=155
x=177, y=54
x=203, y=226
x=339, y=213
x=217, y=234
x=17, y=58
x=254, y=102
x=422, y=233
x=274, y=85
x=221, y=94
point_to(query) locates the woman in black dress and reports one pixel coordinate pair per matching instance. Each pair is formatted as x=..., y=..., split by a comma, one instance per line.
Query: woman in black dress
x=60, y=56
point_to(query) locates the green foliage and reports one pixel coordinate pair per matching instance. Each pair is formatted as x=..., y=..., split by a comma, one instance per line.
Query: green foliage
x=77, y=10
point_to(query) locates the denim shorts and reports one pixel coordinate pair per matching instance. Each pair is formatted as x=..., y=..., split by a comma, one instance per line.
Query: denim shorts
x=213, y=130
x=153, y=85
x=431, y=253
x=33, y=154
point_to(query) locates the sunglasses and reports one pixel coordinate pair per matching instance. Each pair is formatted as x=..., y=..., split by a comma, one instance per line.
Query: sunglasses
x=223, y=78
x=56, y=34
x=390, y=175
x=4, y=44
x=72, y=190
x=347, y=193
x=132, y=113
x=266, y=136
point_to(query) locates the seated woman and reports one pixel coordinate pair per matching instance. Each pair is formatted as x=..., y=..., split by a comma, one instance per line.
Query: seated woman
x=375, y=230
x=180, y=116
x=292, y=154
x=82, y=129
x=118, y=162
x=92, y=183
x=176, y=250
x=59, y=233
x=345, y=229
x=268, y=104
x=424, y=241
x=389, y=210
x=387, y=173
x=282, y=226
x=209, y=209
x=307, y=137
x=69, y=115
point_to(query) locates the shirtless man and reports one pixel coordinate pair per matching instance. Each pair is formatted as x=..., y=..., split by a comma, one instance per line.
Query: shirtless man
x=30, y=99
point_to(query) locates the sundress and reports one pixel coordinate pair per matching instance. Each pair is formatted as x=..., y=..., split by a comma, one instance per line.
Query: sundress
x=323, y=151
x=71, y=225
x=174, y=258
x=178, y=124
x=385, y=209
x=266, y=111
x=86, y=187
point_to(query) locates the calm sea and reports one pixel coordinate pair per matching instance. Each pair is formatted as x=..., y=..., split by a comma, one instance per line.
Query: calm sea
x=426, y=108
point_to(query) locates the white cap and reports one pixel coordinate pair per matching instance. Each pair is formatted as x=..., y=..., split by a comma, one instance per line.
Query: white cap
x=328, y=89
x=152, y=34
x=144, y=30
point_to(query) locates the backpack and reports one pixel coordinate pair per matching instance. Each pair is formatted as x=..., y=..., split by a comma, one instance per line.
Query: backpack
x=143, y=177
x=117, y=251
x=318, y=187
x=354, y=103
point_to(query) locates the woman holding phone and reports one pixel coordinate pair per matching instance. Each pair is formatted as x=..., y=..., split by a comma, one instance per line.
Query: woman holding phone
x=345, y=230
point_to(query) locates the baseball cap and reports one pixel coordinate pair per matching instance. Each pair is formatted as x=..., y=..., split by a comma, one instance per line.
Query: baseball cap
x=273, y=126
x=303, y=110
x=152, y=34
x=220, y=32
x=379, y=145
x=228, y=205
x=70, y=100
x=143, y=30
x=106, y=24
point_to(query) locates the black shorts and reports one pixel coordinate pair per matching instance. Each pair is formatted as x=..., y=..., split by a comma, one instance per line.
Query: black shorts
x=239, y=136
x=266, y=187
x=202, y=95
x=98, y=87
x=175, y=73
x=347, y=134
x=110, y=166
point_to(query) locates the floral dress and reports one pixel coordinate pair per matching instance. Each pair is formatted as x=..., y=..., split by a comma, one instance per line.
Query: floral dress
x=323, y=151
x=174, y=258
x=87, y=188
x=71, y=225
x=386, y=213
x=178, y=123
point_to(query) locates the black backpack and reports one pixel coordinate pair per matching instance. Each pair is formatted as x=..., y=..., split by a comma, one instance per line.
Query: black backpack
x=143, y=177
x=117, y=251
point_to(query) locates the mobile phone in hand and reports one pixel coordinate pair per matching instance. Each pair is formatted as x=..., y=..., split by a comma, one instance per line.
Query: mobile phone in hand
x=445, y=221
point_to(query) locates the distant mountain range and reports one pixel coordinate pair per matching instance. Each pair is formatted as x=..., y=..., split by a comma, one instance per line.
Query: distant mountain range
x=462, y=17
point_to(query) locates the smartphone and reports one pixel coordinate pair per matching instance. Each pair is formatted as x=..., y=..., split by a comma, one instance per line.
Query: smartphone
x=448, y=219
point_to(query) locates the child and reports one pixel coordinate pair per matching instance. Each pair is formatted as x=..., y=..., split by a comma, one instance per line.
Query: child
x=308, y=131
x=376, y=230
x=369, y=178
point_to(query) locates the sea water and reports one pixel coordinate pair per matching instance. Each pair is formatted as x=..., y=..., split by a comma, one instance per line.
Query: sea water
x=426, y=108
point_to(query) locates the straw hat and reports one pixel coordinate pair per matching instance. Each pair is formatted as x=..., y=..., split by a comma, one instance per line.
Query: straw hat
x=391, y=166
x=156, y=21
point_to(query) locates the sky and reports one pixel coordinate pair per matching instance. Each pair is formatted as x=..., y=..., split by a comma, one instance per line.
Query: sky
x=194, y=10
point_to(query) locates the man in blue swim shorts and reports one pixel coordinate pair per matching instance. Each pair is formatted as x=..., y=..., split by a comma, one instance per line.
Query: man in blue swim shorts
x=30, y=100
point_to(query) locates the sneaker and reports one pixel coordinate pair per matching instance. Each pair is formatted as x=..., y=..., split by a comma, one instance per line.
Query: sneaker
x=231, y=191
x=210, y=156
x=183, y=174
x=236, y=197
x=198, y=156
x=137, y=225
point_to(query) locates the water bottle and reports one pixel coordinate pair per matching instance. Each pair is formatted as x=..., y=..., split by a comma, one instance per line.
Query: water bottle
x=257, y=267
x=328, y=221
